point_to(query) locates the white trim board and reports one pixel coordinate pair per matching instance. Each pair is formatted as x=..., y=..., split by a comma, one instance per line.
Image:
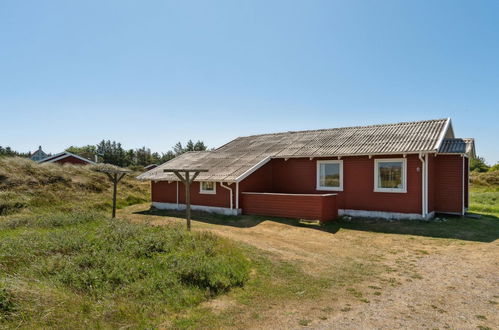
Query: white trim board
x=385, y=215
x=318, y=172
x=253, y=169
x=203, y=208
x=286, y=194
x=443, y=134
x=207, y=192
x=63, y=155
x=402, y=190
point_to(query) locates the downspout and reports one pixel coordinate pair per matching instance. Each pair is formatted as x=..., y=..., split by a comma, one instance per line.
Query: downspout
x=426, y=184
x=462, y=199
x=237, y=196
x=423, y=173
x=229, y=189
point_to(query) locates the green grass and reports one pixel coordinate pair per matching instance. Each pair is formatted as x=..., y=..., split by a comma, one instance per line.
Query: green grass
x=29, y=187
x=83, y=270
x=485, y=199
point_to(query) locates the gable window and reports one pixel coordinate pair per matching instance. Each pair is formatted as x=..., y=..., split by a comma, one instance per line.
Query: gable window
x=390, y=175
x=207, y=187
x=330, y=175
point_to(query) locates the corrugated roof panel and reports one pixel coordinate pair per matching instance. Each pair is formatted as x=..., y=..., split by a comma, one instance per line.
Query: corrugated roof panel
x=233, y=159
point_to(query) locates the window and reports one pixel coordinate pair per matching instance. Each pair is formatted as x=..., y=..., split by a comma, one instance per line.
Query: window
x=390, y=175
x=208, y=187
x=330, y=175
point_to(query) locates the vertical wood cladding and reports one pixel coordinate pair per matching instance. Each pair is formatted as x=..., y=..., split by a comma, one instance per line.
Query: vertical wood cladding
x=71, y=160
x=299, y=176
x=449, y=183
x=312, y=207
x=165, y=192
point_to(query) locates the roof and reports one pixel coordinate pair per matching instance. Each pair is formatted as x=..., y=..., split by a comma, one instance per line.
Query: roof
x=38, y=154
x=458, y=146
x=63, y=155
x=235, y=160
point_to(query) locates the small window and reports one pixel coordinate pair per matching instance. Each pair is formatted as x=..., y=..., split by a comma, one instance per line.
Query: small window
x=390, y=175
x=207, y=187
x=330, y=175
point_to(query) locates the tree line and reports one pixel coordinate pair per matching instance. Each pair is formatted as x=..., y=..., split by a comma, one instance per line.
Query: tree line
x=112, y=152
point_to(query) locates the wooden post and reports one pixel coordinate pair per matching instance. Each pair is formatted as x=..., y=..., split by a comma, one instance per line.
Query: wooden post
x=186, y=180
x=115, y=178
x=115, y=174
x=115, y=190
x=188, y=200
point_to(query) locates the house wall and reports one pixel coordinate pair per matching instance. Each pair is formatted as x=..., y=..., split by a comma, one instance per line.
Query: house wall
x=448, y=183
x=466, y=182
x=71, y=160
x=299, y=176
x=165, y=192
x=312, y=207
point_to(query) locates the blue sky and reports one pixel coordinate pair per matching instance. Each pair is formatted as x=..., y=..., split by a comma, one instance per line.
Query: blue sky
x=156, y=72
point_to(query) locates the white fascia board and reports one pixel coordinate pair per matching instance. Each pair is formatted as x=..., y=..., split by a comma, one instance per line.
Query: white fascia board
x=443, y=134
x=253, y=169
x=65, y=155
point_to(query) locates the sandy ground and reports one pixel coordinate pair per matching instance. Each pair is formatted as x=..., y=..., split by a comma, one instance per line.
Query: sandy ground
x=426, y=283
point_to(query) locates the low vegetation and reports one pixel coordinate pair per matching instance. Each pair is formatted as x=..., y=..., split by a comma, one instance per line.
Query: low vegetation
x=484, y=193
x=108, y=271
x=65, y=264
x=29, y=187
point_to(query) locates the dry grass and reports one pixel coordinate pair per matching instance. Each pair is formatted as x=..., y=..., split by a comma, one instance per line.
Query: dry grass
x=354, y=274
x=29, y=187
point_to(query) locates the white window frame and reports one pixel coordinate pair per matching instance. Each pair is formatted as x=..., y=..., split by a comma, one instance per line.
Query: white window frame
x=210, y=192
x=402, y=190
x=318, y=173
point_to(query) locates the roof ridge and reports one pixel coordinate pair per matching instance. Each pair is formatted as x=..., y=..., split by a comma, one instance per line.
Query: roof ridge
x=344, y=127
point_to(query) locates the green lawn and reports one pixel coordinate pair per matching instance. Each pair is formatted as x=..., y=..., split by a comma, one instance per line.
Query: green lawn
x=485, y=199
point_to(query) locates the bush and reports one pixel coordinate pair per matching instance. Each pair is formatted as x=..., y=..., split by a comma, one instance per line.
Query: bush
x=478, y=164
x=7, y=305
x=485, y=179
x=113, y=258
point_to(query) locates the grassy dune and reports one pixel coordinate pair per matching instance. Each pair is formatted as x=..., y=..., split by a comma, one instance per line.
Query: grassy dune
x=65, y=264
x=28, y=187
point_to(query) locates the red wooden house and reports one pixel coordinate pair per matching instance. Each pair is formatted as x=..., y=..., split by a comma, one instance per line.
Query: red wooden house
x=404, y=170
x=66, y=158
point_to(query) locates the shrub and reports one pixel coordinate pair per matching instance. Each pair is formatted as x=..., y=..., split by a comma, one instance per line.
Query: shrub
x=7, y=305
x=101, y=258
x=485, y=179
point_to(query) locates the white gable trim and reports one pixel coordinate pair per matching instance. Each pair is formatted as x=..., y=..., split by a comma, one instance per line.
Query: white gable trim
x=63, y=155
x=441, y=138
x=253, y=169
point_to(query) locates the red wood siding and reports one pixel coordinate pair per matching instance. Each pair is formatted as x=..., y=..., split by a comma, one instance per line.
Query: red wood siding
x=71, y=160
x=466, y=182
x=449, y=183
x=311, y=207
x=431, y=183
x=165, y=192
x=259, y=181
x=299, y=176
